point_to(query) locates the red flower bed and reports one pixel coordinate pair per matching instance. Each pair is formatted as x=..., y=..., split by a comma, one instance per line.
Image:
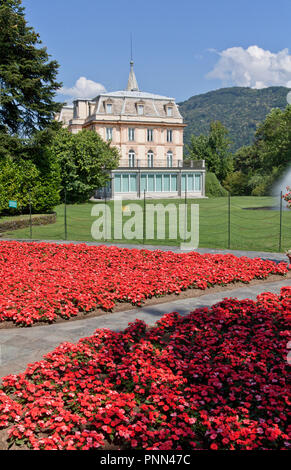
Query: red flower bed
x=41, y=281
x=216, y=379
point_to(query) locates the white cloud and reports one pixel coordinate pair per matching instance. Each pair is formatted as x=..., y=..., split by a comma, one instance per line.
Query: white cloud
x=253, y=67
x=83, y=88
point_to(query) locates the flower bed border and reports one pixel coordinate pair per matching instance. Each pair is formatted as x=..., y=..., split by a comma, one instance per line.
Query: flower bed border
x=41, y=219
x=123, y=306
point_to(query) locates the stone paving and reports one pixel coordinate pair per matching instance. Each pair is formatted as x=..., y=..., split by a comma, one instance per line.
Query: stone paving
x=20, y=346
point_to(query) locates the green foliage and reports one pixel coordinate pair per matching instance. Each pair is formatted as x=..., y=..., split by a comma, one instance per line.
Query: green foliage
x=241, y=110
x=23, y=181
x=237, y=183
x=27, y=89
x=273, y=140
x=85, y=160
x=214, y=149
x=27, y=78
x=213, y=188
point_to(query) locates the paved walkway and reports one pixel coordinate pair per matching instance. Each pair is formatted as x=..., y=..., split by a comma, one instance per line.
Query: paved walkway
x=20, y=346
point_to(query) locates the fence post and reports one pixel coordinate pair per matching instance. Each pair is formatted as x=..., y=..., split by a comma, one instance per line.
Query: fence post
x=65, y=213
x=281, y=215
x=229, y=228
x=144, y=216
x=105, y=200
x=30, y=218
x=186, y=210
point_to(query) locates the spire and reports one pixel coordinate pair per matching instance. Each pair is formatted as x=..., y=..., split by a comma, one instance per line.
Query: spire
x=132, y=82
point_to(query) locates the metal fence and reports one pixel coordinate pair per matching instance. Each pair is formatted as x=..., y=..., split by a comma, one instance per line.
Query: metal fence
x=233, y=223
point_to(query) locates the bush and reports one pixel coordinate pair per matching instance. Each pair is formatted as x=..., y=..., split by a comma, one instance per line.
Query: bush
x=261, y=185
x=17, y=178
x=236, y=183
x=213, y=187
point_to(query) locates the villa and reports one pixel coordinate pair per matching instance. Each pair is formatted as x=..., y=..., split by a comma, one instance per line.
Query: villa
x=148, y=131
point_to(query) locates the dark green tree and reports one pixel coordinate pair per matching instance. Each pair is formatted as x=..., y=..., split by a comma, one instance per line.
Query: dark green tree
x=214, y=149
x=27, y=76
x=273, y=141
x=85, y=161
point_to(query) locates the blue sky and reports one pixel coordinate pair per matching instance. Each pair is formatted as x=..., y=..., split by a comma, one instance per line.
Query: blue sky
x=181, y=48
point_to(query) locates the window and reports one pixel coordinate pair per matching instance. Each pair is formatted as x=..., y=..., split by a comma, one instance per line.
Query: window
x=169, y=111
x=169, y=135
x=76, y=111
x=109, y=108
x=167, y=183
x=151, y=183
x=158, y=182
x=109, y=132
x=131, y=159
x=140, y=109
x=124, y=183
x=191, y=182
x=169, y=159
x=130, y=134
x=150, y=135
x=150, y=159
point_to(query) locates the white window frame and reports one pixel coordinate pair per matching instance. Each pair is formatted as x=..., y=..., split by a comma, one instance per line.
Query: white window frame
x=131, y=159
x=169, y=159
x=169, y=135
x=131, y=134
x=109, y=108
x=109, y=133
x=150, y=135
x=170, y=111
x=140, y=109
x=150, y=156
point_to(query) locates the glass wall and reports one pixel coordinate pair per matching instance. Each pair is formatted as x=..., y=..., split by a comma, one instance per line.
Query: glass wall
x=125, y=183
x=157, y=182
x=193, y=181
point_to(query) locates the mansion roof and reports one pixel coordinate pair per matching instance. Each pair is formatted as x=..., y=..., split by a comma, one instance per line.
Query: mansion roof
x=124, y=104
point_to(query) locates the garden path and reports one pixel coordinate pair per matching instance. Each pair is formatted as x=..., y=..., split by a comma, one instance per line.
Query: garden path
x=20, y=346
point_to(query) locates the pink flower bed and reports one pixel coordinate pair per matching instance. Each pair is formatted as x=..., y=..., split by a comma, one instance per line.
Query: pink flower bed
x=41, y=281
x=216, y=379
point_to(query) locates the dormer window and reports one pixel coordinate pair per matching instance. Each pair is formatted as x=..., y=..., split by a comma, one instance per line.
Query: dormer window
x=169, y=111
x=140, y=109
x=109, y=108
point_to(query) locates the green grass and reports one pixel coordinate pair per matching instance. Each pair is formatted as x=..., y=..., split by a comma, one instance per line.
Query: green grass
x=250, y=229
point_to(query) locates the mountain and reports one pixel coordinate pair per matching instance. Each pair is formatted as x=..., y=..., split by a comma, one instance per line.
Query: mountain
x=239, y=109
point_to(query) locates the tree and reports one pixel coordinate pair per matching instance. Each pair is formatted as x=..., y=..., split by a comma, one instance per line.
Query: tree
x=85, y=161
x=214, y=149
x=27, y=77
x=22, y=181
x=273, y=140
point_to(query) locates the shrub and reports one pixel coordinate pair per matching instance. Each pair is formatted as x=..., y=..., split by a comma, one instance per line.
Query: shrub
x=17, y=178
x=213, y=188
x=236, y=183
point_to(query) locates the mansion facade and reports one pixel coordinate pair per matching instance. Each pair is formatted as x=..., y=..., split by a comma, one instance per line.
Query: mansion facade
x=148, y=131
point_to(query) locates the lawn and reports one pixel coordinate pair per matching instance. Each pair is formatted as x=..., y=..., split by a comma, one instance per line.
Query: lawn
x=237, y=228
x=215, y=379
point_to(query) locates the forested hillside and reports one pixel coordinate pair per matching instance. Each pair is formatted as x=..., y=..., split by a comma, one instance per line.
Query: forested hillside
x=239, y=109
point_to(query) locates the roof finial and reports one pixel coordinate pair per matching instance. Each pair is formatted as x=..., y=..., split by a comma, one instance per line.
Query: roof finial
x=132, y=82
